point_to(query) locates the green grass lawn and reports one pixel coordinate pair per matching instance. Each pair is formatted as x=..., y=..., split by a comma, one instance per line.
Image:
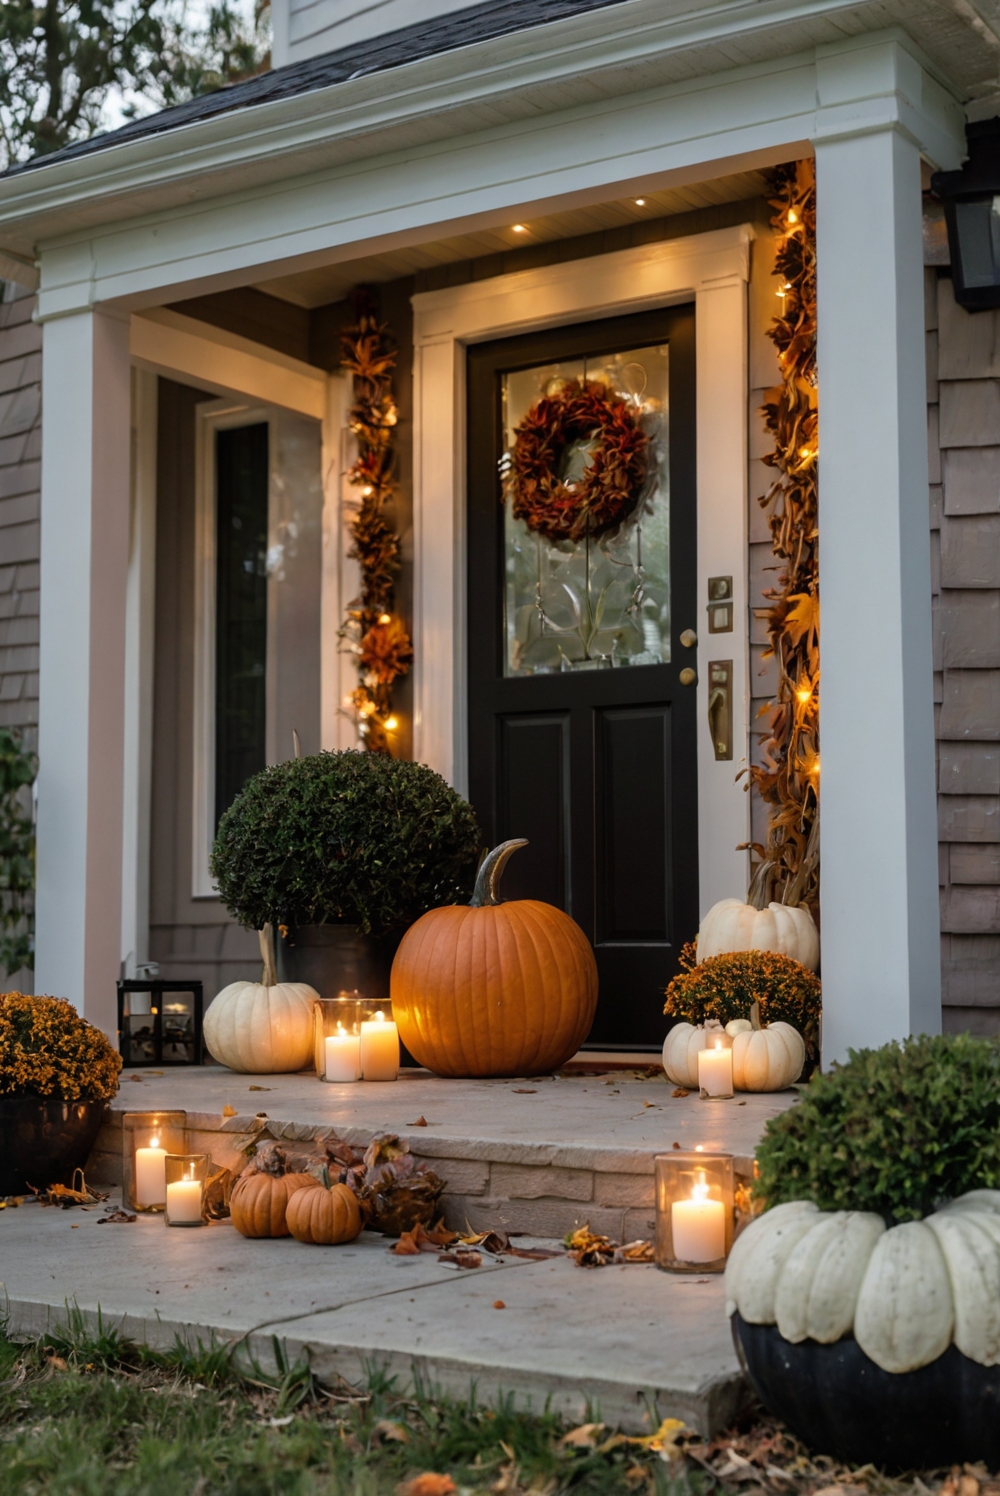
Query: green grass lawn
x=94, y=1416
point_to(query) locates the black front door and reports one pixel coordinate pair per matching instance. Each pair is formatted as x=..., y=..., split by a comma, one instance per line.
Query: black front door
x=581, y=730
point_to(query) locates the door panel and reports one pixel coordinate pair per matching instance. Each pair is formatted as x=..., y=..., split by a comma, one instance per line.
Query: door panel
x=581, y=733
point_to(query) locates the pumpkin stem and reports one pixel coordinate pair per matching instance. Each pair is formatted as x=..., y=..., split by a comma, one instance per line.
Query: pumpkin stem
x=755, y=1016
x=485, y=894
x=326, y=1177
x=269, y=976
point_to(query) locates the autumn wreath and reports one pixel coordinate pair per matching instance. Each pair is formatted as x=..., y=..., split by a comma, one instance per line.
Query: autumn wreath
x=580, y=413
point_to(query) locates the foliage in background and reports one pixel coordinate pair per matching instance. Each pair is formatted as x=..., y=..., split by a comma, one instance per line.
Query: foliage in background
x=62, y=60
x=47, y=1049
x=17, y=854
x=375, y=634
x=726, y=987
x=897, y=1130
x=787, y=780
x=348, y=837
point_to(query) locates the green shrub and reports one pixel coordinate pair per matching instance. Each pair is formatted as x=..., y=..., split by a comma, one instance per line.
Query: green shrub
x=726, y=987
x=344, y=837
x=897, y=1130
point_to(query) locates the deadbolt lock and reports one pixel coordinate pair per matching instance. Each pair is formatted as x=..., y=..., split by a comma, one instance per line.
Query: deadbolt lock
x=688, y=676
x=689, y=638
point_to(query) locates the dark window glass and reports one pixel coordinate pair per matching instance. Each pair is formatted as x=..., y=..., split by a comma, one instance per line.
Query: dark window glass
x=241, y=468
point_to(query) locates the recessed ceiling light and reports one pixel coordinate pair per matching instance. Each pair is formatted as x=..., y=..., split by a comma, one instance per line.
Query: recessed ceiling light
x=640, y=202
x=520, y=228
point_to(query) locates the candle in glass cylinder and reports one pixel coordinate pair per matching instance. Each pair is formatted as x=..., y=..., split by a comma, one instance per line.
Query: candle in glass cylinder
x=379, y=1048
x=698, y=1225
x=715, y=1072
x=343, y=1055
x=184, y=1202
x=150, y=1174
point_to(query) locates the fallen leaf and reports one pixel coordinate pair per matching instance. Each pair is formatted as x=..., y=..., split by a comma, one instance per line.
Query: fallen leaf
x=386, y=1429
x=427, y=1484
x=135, y=1077
x=419, y=1239
x=499, y=1304
x=260, y=1088
x=281, y=1422
x=57, y=1363
x=523, y=1091
x=407, y=1245
x=229, y=1111
x=423, y=1122
x=584, y=1437
x=463, y=1257
x=114, y=1217
x=635, y=1251
x=679, y=1091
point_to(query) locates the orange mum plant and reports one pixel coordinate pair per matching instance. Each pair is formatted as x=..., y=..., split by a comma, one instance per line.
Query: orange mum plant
x=726, y=987
x=47, y=1049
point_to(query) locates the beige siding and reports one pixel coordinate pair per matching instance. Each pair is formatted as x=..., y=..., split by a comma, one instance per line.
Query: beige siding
x=963, y=383
x=20, y=448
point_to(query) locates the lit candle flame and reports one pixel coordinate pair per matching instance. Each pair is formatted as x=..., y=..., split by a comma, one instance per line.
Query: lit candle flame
x=379, y=1016
x=699, y=1190
x=154, y=1141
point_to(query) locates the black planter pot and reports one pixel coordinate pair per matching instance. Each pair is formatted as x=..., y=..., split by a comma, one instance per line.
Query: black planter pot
x=338, y=958
x=43, y=1140
x=840, y=1403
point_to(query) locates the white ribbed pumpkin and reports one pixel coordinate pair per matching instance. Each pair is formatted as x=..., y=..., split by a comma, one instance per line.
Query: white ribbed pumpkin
x=681, y=1047
x=766, y=1059
x=731, y=925
x=265, y=1027
x=906, y=1293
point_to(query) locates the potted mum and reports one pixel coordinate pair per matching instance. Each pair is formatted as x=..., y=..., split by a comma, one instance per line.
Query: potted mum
x=865, y=1300
x=340, y=852
x=57, y=1075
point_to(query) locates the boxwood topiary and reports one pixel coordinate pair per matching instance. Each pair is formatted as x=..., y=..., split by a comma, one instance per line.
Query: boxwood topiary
x=897, y=1130
x=347, y=837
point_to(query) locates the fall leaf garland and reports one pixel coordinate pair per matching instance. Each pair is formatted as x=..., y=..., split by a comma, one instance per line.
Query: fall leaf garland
x=788, y=778
x=376, y=636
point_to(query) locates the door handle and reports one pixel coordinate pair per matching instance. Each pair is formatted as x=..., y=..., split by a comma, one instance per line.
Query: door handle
x=688, y=677
x=689, y=638
x=720, y=707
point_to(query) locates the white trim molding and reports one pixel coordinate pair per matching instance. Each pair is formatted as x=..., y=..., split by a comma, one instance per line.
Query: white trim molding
x=710, y=269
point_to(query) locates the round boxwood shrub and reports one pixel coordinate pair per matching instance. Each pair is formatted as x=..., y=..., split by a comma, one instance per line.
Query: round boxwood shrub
x=726, y=987
x=352, y=838
x=897, y=1130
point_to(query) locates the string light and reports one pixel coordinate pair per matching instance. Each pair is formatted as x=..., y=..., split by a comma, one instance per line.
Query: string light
x=804, y=694
x=793, y=217
x=519, y=228
x=640, y=202
x=385, y=618
x=391, y=724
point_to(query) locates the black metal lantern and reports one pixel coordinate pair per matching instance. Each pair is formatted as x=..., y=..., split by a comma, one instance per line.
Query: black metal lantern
x=159, y=1023
x=971, y=199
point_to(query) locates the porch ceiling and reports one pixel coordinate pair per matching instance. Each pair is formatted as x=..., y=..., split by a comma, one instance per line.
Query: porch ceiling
x=327, y=283
x=573, y=64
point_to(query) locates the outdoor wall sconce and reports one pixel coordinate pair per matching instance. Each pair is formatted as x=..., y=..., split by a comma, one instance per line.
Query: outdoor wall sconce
x=971, y=198
x=695, y=1211
x=159, y=1023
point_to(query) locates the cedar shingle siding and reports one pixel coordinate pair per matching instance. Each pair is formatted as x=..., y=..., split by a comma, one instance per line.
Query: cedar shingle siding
x=20, y=449
x=963, y=392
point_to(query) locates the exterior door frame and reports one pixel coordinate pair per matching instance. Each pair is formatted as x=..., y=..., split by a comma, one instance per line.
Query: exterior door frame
x=713, y=270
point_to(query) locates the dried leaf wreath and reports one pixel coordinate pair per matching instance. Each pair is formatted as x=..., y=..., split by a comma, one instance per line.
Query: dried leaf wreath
x=375, y=634
x=787, y=869
x=578, y=415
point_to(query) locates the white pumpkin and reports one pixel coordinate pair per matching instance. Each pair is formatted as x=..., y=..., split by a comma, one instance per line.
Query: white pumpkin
x=906, y=1293
x=731, y=925
x=681, y=1048
x=265, y=1027
x=767, y=1059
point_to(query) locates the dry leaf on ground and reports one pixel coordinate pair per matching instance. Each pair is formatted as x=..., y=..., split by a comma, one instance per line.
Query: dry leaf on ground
x=584, y=1437
x=427, y=1484
x=395, y=1432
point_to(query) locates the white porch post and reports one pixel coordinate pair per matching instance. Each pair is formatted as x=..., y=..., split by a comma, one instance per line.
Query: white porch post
x=879, y=896
x=85, y=545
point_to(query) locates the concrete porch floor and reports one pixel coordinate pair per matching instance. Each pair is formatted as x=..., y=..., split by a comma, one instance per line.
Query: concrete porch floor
x=536, y=1156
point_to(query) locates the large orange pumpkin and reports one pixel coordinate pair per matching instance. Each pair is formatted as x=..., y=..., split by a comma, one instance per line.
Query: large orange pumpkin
x=491, y=988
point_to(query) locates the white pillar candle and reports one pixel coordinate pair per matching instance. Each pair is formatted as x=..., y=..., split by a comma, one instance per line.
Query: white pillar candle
x=698, y=1226
x=150, y=1175
x=715, y=1071
x=184, y=1202
x=343, y=1057
x=379, y=1049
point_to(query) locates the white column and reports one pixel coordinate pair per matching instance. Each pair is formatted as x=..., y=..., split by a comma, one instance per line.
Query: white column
x=879, y=895
x=85, y=547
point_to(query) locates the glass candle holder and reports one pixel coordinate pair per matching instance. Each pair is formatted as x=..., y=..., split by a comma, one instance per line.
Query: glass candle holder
x=380, y=1045
x=338, y=1023
x=695, y=1211
x=147, y=1139
x=185, y=1175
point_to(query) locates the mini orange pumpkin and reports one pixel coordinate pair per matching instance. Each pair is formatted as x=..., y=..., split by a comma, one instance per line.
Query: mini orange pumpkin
x=492, y=988
x=326, y=1216
x=259, y=1201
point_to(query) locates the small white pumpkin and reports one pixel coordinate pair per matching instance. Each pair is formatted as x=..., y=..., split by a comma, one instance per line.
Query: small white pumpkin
x=731, y=925
x=906, y=1293
x=265, y=1027
x=681, y=1048
x=767, y=1059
